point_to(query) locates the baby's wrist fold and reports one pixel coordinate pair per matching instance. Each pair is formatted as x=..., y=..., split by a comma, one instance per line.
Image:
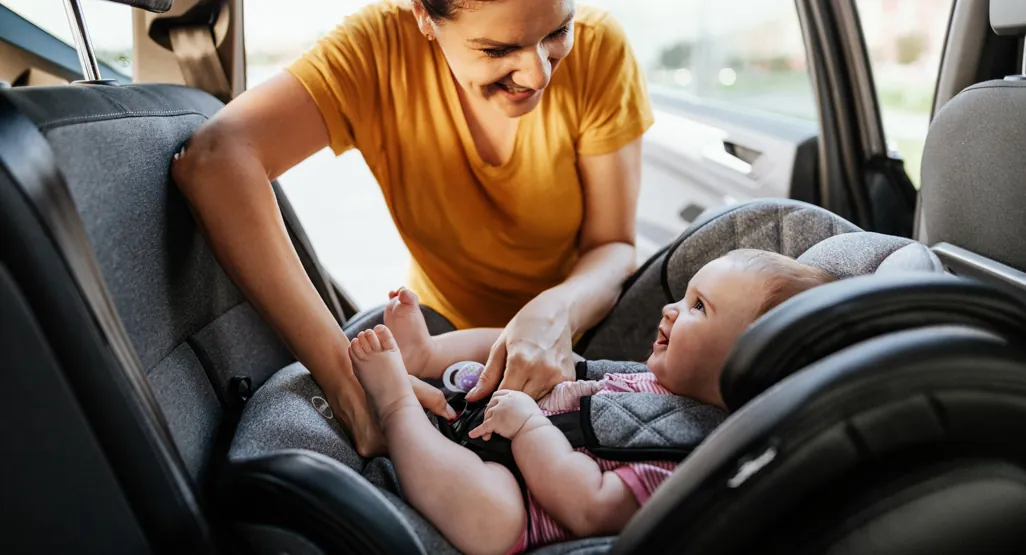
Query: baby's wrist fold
x=534, y=422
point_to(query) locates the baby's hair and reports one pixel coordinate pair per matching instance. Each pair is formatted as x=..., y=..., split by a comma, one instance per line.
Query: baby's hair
x=788, y=277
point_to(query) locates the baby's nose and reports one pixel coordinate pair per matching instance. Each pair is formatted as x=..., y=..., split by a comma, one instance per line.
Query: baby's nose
x=670, y=312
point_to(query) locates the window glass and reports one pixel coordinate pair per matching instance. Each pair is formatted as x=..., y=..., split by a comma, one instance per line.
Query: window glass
x=748, y=53
x=109, y=24
x=332, y=195
x=905, y=42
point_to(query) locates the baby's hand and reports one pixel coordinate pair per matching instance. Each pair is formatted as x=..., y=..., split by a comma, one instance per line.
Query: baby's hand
x=506, y=414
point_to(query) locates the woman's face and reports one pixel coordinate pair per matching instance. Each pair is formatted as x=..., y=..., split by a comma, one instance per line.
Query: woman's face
x=504, y=51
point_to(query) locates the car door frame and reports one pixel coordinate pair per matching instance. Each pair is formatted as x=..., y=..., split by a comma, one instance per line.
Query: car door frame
x=860, y=179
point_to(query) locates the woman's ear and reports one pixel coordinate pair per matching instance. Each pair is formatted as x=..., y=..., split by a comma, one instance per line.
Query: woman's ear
x=424, y=22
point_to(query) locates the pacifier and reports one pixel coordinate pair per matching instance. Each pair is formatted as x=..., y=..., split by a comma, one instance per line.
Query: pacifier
x=462, y=376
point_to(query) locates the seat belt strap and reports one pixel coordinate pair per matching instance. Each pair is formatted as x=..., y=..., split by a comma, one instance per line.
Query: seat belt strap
x=196, y=50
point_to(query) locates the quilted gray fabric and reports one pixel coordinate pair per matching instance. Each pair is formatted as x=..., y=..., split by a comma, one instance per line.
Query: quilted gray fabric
x=639, y=420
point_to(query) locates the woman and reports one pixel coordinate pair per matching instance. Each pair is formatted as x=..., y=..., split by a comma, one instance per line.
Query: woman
x=505, y=136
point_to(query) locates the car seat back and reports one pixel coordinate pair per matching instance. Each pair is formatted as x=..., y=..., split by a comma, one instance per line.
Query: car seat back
x=201, y=346
x=54, y=271
x=972, y=196
x=182, y=343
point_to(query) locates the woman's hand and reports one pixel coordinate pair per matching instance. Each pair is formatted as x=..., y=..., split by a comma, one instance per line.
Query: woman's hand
x=533, y=353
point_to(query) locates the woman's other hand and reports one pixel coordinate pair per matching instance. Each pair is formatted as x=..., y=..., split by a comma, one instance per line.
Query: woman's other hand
x=533, y=353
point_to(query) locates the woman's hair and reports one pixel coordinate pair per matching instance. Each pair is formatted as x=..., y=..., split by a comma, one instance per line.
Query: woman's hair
x=444, y=10
x=787, y=276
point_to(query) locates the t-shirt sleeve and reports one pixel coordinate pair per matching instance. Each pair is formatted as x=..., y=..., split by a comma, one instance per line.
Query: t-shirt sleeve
x=343, y=74
x=615, y=107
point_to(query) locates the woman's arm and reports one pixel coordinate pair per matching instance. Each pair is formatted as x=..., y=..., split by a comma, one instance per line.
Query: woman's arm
x=225, y=173
x=534, y=352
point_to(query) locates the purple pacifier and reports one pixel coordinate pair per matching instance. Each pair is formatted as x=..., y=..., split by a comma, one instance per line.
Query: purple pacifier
x=462, y=376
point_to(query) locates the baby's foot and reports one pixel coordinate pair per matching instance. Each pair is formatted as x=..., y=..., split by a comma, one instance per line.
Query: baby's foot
x=404, y=318
x=379, y=367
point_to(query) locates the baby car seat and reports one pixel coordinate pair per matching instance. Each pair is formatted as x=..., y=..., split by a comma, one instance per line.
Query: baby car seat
x=280, y=426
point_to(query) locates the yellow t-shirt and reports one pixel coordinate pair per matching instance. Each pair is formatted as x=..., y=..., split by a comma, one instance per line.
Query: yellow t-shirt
x=484, y=239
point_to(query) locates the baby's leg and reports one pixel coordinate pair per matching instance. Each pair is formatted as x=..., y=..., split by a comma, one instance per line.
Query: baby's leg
x=476, y=505
x=423, y=355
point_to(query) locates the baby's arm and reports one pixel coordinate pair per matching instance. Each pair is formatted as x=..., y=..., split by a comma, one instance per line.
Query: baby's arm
x=569, y=485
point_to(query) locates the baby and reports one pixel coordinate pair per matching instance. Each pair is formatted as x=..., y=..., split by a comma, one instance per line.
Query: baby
x=478, y=505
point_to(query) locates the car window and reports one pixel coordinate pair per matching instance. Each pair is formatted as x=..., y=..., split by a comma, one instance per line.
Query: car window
x=332, y=195
x=905, y=42
x=748, y=53
x=109, y=24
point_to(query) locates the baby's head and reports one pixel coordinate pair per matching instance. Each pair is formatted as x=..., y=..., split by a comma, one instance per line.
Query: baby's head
x=725, y=297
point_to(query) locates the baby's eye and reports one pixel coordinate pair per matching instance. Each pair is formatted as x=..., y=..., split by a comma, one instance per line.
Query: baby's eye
x=699, y=305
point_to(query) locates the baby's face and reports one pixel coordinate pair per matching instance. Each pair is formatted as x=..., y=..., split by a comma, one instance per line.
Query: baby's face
x=696, y=334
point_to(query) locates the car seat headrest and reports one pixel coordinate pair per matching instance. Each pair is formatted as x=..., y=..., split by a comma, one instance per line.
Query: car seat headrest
x=828, y=318
x=155, y=6
x=780, y=225
x=1008, y=17
x=856, y=254
x=972, y=185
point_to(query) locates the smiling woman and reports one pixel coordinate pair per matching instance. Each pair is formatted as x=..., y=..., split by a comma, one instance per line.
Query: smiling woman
x=505, y=137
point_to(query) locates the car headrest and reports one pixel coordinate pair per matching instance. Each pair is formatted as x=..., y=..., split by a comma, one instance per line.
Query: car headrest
x=155, y=6
x=972, y=194
x=828, y=318
x=1008, y=17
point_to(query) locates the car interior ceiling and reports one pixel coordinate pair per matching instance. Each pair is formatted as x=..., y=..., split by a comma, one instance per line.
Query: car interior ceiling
x=148, y=407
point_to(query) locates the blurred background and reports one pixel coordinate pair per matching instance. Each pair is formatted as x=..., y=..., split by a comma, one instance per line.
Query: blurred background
x=745, y=57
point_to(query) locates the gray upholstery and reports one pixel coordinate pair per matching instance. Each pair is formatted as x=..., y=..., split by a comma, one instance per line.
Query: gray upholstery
x=857, y=254
x=598, y=368
x=779, y=225
x=290, y=412
x=1008, y=17
x=189, y=325
x=974, y=173
x=796, y=229
x=651, y=420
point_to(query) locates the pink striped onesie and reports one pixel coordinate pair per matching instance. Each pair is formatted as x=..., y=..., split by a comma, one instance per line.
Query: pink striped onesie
x=641, y=477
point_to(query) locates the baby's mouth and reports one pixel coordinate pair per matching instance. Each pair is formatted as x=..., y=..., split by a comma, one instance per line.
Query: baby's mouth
x=662, y=339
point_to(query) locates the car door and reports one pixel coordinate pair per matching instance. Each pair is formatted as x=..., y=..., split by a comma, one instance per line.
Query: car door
x=771, y=98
